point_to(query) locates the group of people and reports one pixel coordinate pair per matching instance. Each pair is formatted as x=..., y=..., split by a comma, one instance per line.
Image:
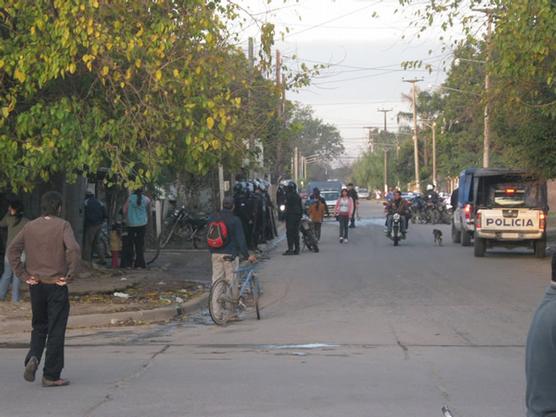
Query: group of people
x=254, y=207
x=45, y=255
x=127, y=233
x=345, y=211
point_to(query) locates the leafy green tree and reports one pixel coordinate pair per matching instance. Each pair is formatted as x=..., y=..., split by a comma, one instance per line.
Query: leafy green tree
x=134, y=86
x=521, y=63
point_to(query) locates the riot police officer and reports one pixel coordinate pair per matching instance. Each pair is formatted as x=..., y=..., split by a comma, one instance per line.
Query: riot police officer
x=294, y=212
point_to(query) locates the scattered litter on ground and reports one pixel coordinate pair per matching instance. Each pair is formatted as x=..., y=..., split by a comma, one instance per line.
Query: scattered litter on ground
x=121, y=295
x=305, y=346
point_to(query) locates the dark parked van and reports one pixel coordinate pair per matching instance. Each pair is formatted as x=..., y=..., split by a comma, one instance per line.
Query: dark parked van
x=463, y=213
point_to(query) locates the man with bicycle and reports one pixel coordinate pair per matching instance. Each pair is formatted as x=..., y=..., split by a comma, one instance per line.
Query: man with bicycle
x=226, y=243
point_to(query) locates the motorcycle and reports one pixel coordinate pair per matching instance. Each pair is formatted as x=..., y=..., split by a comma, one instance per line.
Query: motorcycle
x=396, y=233
x=181, y=225
x=308, y=234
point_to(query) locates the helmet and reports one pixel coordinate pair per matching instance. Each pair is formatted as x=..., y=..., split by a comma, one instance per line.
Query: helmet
x=238, y=188
x=430, y=187
x=292, y=186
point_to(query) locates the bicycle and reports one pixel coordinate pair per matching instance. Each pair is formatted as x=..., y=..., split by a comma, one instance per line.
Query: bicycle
x=222, y=305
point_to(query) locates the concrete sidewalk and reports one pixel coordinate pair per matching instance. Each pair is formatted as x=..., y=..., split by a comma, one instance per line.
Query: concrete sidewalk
x=177, y=283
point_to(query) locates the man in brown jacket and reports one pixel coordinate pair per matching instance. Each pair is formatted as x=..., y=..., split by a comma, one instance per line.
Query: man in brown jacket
x=52, y=258
x=317, y=210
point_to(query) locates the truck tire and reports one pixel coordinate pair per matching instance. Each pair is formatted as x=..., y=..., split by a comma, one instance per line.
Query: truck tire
x=465, y=238
x=456, y=234
x=479, y=246
x=540, y=248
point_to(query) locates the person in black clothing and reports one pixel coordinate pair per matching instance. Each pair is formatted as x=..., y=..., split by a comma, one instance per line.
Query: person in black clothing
x=243, y=210
x=431, y=195
x=294, y=212
x=95, y=215
x=454, y=198
x=352, y=193
x=258, y=216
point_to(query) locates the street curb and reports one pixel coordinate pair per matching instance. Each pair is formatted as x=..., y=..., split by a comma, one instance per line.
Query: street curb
x=111, y=319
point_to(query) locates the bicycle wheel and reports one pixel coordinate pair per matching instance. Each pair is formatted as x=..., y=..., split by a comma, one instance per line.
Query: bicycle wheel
x=156, y=254
x=256, y=292
x=166, y=235
x=200, y=238
x=220, y=302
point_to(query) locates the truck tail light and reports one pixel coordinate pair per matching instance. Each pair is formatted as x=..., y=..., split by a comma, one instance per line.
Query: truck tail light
x=468, y=210
x=542, y=220
x=478, y=221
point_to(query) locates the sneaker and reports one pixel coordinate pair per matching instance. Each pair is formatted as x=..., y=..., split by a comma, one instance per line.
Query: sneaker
x=341, y=240
x=345, y=241
x=31, y=369
x=287, y=253
x=58, y=383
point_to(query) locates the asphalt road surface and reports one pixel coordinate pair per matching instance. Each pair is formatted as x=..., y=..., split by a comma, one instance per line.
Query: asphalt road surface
x=360, y=329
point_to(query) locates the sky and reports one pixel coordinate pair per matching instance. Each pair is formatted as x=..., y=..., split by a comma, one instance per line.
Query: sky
x=364, y=54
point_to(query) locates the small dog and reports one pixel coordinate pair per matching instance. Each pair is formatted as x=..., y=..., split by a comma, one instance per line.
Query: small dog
x=437, y=234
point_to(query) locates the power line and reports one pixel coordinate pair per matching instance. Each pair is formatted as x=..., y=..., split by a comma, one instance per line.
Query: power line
x=331, y=20
x=433, y=58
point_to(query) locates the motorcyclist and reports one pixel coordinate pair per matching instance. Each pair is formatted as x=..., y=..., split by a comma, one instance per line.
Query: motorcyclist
x=431, y=196
x=400, y=206
x=281, y=200
x=293, y=214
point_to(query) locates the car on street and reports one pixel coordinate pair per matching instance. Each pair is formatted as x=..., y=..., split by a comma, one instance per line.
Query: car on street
x=363, y=193
x=330, y=196
x=409, y=196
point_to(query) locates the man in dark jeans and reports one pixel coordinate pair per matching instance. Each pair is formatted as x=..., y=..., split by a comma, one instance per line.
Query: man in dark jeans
x=352, y=193
x=95, y=215
x=294, y=212
x=52, y=258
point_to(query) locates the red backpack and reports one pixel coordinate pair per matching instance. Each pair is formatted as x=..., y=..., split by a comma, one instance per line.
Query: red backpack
x=217, y=235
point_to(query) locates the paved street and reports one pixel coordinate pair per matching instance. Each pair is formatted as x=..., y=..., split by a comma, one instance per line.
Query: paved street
x=362, y=329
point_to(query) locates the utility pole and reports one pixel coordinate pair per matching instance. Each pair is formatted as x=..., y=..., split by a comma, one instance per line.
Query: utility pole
x=296, y=164
x=488, y=42
x=415, y=139
x=279, y=111
x=434, y=153
x=385, y=112
x=251, y=56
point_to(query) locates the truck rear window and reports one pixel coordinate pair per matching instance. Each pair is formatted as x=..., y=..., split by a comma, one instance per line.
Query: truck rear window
x=509, y=197
x=523, y=194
